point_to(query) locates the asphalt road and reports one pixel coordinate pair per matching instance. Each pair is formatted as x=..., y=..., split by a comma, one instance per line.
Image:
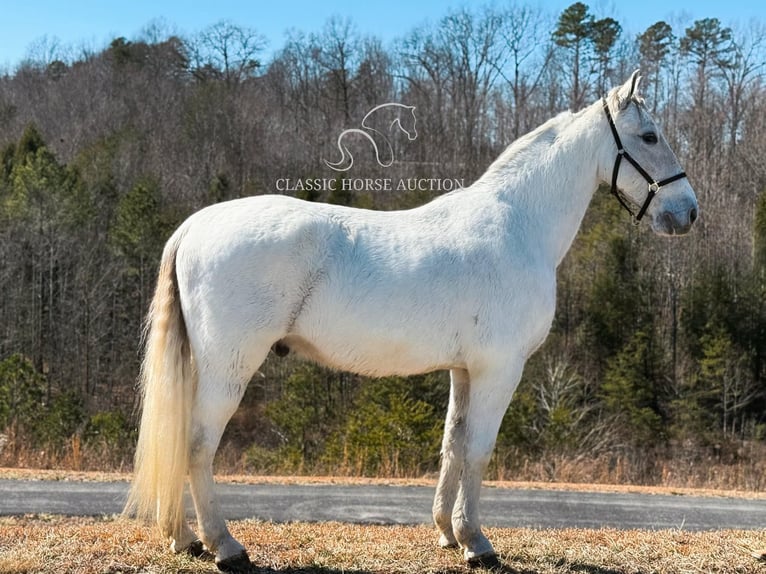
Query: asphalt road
x=408, y=505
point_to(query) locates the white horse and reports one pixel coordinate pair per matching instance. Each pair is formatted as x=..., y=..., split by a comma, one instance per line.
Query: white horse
x=466, y=282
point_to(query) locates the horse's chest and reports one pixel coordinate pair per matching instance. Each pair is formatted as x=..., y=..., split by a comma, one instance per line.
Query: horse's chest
x=522, y=316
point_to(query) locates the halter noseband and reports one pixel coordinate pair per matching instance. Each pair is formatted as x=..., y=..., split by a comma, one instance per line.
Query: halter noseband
x=654, y=186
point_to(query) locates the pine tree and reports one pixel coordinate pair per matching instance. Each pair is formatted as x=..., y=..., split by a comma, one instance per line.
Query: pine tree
x=573, y=33
x=604, y=34
x=654, y=46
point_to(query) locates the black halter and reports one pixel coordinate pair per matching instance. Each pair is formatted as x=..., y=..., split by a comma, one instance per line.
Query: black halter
x=654, y=186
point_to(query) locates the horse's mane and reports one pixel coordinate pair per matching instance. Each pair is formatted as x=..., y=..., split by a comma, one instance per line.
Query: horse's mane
x=529, y=147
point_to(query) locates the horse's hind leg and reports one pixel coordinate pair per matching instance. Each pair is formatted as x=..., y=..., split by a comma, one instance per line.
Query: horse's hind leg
x=219, y=392
x=453, y=452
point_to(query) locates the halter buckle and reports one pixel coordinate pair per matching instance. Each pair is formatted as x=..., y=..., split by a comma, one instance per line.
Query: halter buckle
x=654, y=187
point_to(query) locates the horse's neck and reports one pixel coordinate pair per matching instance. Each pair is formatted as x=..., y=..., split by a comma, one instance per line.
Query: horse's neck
x=548, y=178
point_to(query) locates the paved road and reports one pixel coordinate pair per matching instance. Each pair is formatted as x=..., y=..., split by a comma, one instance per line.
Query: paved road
x=409, y=505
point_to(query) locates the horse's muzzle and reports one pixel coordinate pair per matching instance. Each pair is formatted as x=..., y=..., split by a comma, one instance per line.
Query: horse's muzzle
x=676, y=223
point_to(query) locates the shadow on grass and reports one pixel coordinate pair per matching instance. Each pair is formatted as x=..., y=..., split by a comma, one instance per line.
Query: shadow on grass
x=591, y=569
x=503, y=566
x=254, y=569
x=502, y=569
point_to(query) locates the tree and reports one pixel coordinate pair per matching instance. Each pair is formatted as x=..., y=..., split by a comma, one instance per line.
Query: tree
x=630, y=392
x=709, y=46
x=604, y=34
x=22, y=392
x=725, y=381
x=708, y=43
x=573, y=33
x=759, y=239
x=138, y=233
x=338, y=57
x=742, y=71
x=522, y=32
x=454, y=67
x=374, y=80
x=567, y=424
x=42, y=206
x=654, y=45
x=390, y=432
x=310, y=407
x=227, y=52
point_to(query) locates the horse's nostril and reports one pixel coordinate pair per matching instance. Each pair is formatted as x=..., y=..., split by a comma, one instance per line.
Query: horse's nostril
x=693, y=215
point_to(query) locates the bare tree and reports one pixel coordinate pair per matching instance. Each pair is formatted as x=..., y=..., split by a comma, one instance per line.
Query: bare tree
x=527, y=42
x=227, y=51
x=742, y=74
x=456, y=65
x=338, y=49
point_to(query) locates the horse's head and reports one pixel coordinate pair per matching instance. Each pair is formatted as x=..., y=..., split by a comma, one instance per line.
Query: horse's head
x=406, y=121
x=646, y=172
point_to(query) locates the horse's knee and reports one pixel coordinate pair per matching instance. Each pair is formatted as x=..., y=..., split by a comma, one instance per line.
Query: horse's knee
x=478, y=460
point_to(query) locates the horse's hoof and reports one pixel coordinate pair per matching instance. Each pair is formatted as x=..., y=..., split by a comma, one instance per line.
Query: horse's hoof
x=196, y=549
x=237, y=564
x=448, y=542
x=487, y=561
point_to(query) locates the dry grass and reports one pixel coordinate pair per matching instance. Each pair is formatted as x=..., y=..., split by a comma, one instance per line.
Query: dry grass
x=115, y=546
x=37, y=544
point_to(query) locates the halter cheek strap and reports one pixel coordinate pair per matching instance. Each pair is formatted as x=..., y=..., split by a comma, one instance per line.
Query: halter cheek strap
x=654, y=186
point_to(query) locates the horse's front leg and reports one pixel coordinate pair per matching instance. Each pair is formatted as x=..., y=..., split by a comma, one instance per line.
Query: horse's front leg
x=453, y=452
x=489, y=394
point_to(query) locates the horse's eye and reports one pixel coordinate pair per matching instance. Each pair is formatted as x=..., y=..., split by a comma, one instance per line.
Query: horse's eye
x=649, y=137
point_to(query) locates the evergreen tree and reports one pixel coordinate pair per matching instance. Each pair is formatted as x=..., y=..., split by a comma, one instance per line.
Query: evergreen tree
x=22, y=392
x=604, y=34
x=654, y=45
x=630, y=391
x=573, y=33
x=759, y=239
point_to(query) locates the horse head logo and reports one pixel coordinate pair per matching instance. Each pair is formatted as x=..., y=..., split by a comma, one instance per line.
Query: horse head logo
x=403, y=118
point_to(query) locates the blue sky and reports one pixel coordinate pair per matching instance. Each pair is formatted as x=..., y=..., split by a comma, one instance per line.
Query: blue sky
x=93, y=23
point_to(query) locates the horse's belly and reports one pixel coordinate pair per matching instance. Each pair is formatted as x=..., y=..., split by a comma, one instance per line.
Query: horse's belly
x=373, y=356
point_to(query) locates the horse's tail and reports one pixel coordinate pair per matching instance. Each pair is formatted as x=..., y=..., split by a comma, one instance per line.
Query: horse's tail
x=168, y=384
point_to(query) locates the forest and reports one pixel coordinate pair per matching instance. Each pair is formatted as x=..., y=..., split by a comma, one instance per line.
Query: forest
x=654, y=371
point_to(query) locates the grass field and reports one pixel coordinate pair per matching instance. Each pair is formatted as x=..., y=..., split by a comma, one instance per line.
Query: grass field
x=117, y=546
x=112, y=545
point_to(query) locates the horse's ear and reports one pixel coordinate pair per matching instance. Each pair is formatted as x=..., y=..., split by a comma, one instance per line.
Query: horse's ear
x=628, y=89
